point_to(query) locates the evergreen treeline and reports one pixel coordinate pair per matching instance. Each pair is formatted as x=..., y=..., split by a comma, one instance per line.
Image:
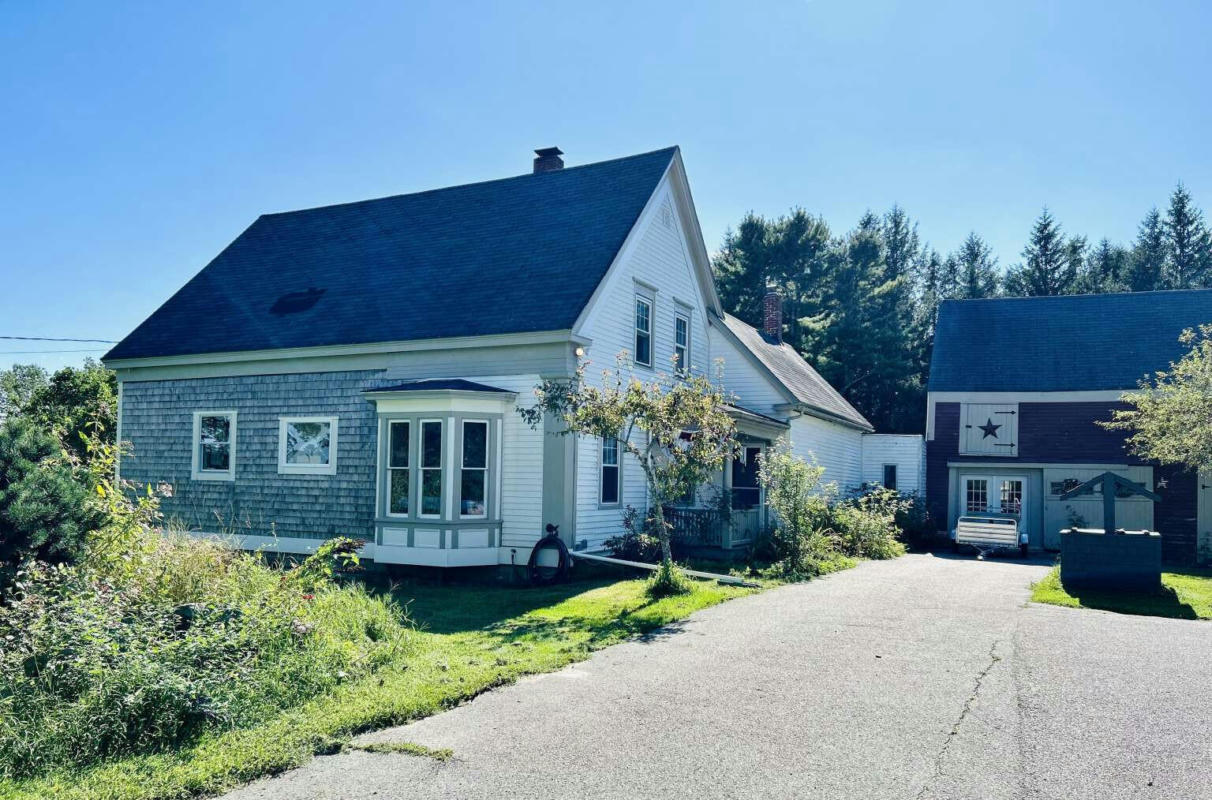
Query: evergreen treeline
x=860, y=306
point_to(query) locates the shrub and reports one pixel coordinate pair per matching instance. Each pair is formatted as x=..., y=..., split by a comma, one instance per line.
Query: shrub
x=866, y=524
x=639, y=541
x=668, y=580
x=801, y=541
x=45, y=512
x=335, y=558
x=914, y=520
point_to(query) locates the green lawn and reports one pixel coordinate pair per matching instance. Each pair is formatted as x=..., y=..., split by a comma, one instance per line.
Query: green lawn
x=470, y=639
x=1185, y=595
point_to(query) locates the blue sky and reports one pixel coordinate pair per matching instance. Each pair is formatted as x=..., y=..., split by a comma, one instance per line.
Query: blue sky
x=138, y=139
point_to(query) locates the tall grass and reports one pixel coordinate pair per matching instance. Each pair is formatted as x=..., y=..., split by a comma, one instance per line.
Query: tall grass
x=158, y=637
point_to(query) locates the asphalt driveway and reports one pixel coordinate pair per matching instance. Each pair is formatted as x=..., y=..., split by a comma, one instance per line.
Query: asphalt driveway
x=923, y=677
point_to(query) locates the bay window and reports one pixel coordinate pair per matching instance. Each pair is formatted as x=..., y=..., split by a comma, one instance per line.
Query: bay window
x=473, y=488
x=399, y=487
x=439, y=468
x=431, y=468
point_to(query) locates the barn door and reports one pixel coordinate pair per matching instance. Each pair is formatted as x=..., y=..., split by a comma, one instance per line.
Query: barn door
x=988, y=429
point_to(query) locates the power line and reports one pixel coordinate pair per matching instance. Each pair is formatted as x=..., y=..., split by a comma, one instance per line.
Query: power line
x=36, y=352
x=49, y=339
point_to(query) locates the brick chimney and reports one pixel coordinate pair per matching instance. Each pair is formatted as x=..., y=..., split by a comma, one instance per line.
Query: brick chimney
x=772, y=316
x=548, y=159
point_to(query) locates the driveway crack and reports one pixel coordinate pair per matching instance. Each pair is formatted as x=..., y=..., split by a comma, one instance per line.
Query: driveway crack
x=941, y=755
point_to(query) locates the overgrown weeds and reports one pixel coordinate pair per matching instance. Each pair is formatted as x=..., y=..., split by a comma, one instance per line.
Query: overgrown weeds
x=154, y=638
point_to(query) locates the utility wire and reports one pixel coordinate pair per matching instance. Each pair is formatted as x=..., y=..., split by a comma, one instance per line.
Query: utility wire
x=49, y=339
x=36, y=352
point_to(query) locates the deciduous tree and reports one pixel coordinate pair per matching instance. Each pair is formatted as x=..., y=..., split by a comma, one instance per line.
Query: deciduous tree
x=676, y=429
x=1170, y=416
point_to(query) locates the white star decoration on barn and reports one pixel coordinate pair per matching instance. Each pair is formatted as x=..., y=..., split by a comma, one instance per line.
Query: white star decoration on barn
x=989, y=428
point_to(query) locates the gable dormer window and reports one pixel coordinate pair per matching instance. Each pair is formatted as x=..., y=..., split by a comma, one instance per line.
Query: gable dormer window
x=643, y=330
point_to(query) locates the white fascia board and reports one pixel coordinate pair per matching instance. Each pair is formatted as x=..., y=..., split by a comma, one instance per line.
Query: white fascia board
x=1093, y=395
x=828, y=416
x=412, y=345
x=693, y=232
x=1000, y=466
x=440, y=400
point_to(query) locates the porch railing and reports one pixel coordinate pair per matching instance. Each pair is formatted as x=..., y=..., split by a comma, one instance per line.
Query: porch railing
x=697, y=526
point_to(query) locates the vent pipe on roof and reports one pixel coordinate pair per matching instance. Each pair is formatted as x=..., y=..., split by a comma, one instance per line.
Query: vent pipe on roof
x=772, y=316
x=548, y=159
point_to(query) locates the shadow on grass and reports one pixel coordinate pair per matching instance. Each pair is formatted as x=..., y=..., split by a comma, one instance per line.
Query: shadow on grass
x=452, y=608
x=1164, y=603
x=539, y=630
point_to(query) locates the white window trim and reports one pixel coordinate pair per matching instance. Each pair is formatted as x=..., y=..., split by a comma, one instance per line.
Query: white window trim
x=196, y=472
x=421, y=468
x=618, y=465
x=308, y=469
x=683, y=367
x=636, y=330
x=484, y=469
x=387, y=469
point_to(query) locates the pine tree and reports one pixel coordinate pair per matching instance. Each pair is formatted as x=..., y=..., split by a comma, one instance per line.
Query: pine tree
x=741, y=268
x=1189, y=243
x=45, y=513
x=1146, y=269
x=976, y=269
x=902, y=247
x=787, y=254
x=863, y=341
x=1105, y=270
x=1050, y=266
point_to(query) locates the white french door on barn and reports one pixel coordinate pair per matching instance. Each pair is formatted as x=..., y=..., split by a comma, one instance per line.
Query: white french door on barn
x=992, y=494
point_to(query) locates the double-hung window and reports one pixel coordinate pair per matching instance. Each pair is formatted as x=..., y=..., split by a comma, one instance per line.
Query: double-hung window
x=473, y=483
x=431, y=468
x=307, y=445
x=609, y=492
x=681, y=343
x=643, y=330
x=399, y=455
x=214, y=446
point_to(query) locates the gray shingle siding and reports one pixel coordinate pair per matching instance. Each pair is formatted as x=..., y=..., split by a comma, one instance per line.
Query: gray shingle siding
x=157, y=419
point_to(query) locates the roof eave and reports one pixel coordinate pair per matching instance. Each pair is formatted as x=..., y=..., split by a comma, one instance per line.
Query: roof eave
x=821, y=413
x=448, y=343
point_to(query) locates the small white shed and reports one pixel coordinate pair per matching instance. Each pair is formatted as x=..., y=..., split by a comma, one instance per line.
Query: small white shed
x=895, y=460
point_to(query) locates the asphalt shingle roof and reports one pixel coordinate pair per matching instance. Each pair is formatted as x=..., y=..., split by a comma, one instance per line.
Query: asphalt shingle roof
x=515, y=255
x=795, y=374
x=1056, y=344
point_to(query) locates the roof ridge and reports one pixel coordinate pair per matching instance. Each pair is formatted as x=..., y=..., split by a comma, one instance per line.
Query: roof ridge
x=563, y=171
x=1086, y=295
